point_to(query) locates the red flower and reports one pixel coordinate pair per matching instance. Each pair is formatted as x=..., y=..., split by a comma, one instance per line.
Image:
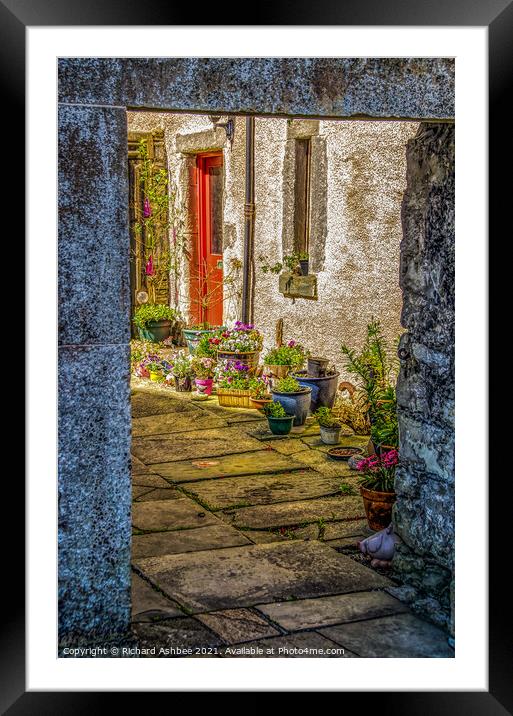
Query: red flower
x=149, y=270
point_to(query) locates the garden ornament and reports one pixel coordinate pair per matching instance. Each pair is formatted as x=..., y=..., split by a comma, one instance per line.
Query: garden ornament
x=380, y=547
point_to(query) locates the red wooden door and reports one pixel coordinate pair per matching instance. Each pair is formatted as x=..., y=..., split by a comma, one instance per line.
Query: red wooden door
x=207, y=261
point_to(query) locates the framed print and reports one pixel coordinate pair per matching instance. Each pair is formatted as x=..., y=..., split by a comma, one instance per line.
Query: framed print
x=270, y=354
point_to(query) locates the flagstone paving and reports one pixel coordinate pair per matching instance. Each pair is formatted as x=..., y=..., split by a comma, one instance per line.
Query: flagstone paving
x=250, y=463
x=193, y=444
x=311, y=613
x=263, y=489
x=175, y=422
x=161, y=515
x=245, y=543
x=214, y=536
x=295, y=513
x=245, y=576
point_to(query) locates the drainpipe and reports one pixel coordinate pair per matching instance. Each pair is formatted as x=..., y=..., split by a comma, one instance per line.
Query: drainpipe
x=249, y=224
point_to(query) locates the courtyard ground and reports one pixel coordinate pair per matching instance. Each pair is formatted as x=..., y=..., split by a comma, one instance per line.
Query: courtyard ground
x=245, y=544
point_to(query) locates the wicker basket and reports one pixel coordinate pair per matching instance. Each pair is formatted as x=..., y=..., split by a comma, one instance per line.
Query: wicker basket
x=234, y=398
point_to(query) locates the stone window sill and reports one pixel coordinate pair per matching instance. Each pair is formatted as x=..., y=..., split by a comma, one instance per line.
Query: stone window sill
x=292, y=286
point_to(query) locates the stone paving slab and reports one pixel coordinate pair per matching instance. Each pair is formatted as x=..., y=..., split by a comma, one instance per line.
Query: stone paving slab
x=398, y=636
x=318, y=460
x=325, y=611
x=249, y=463
x=263, y=489
x=295, y=513
x=315, y=442
x=338, y=530
x=193, y=444
x=179, y=633
x=231, y=415
x=289, y=446
x=296, y=646
x=151, y=402
x=138, y=467
x=161, y=515
x=190, y=540
x=238, y=625
x=257, y=574
x=149, y=479
x=262, y=432
x=166, y=493
x=150, y=605
x=175, y=422
x=139, y=491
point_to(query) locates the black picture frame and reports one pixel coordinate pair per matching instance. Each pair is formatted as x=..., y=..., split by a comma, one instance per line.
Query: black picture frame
x=497, y=15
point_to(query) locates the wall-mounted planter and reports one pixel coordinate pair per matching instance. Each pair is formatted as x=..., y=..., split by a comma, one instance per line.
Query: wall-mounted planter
x=292, y=286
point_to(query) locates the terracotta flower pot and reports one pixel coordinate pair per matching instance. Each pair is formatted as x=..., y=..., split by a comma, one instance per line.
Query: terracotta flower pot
x=378, y=507
x=259, y=403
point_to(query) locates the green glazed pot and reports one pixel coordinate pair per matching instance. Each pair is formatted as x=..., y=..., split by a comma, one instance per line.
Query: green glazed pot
x=281, y=426
x=155, y=331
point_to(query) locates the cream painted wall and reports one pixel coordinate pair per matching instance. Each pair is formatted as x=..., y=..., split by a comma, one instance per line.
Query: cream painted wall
x=366, y=166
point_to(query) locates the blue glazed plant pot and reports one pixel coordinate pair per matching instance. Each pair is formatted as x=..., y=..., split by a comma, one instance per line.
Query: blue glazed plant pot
x=296, y=404
x=324, y=390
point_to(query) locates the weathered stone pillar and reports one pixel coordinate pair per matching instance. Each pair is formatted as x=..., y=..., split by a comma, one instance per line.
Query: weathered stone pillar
x=94, y=410
x=424, y=512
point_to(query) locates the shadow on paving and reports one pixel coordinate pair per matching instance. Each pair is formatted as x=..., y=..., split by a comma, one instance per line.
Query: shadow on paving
x=244, y=546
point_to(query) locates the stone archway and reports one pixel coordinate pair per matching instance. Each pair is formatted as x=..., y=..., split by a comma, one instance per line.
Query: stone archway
x=94, y=296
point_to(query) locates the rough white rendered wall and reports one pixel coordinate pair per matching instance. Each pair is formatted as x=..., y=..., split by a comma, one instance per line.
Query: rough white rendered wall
x=366, y=166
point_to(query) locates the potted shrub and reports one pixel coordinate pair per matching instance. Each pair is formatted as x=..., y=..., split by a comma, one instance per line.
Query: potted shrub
x=204, y=370
x=154, y=321
x=329, y=424
x=241, y=344
x=294, y=398
x=377, y=488
x=279, y=361
x=384, y=424
x=182, y=372
x=304, y=262
x=235, y=383
x=376, y=370
x=260, y=394
x=279, y=422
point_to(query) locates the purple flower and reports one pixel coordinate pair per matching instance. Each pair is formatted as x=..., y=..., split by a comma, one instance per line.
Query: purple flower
x=291, y=344
x=147, y=208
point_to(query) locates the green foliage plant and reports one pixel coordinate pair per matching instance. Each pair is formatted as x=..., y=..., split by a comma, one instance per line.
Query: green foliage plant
x=375, y=368
x=326, y=418
x=288, y=385
x=274, y=410
x=153, y=312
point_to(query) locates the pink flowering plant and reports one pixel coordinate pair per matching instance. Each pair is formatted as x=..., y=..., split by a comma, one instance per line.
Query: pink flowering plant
x=234, y=375
x=292, y=354
x=203, y=367
x=242, y=338
x=378, y=472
